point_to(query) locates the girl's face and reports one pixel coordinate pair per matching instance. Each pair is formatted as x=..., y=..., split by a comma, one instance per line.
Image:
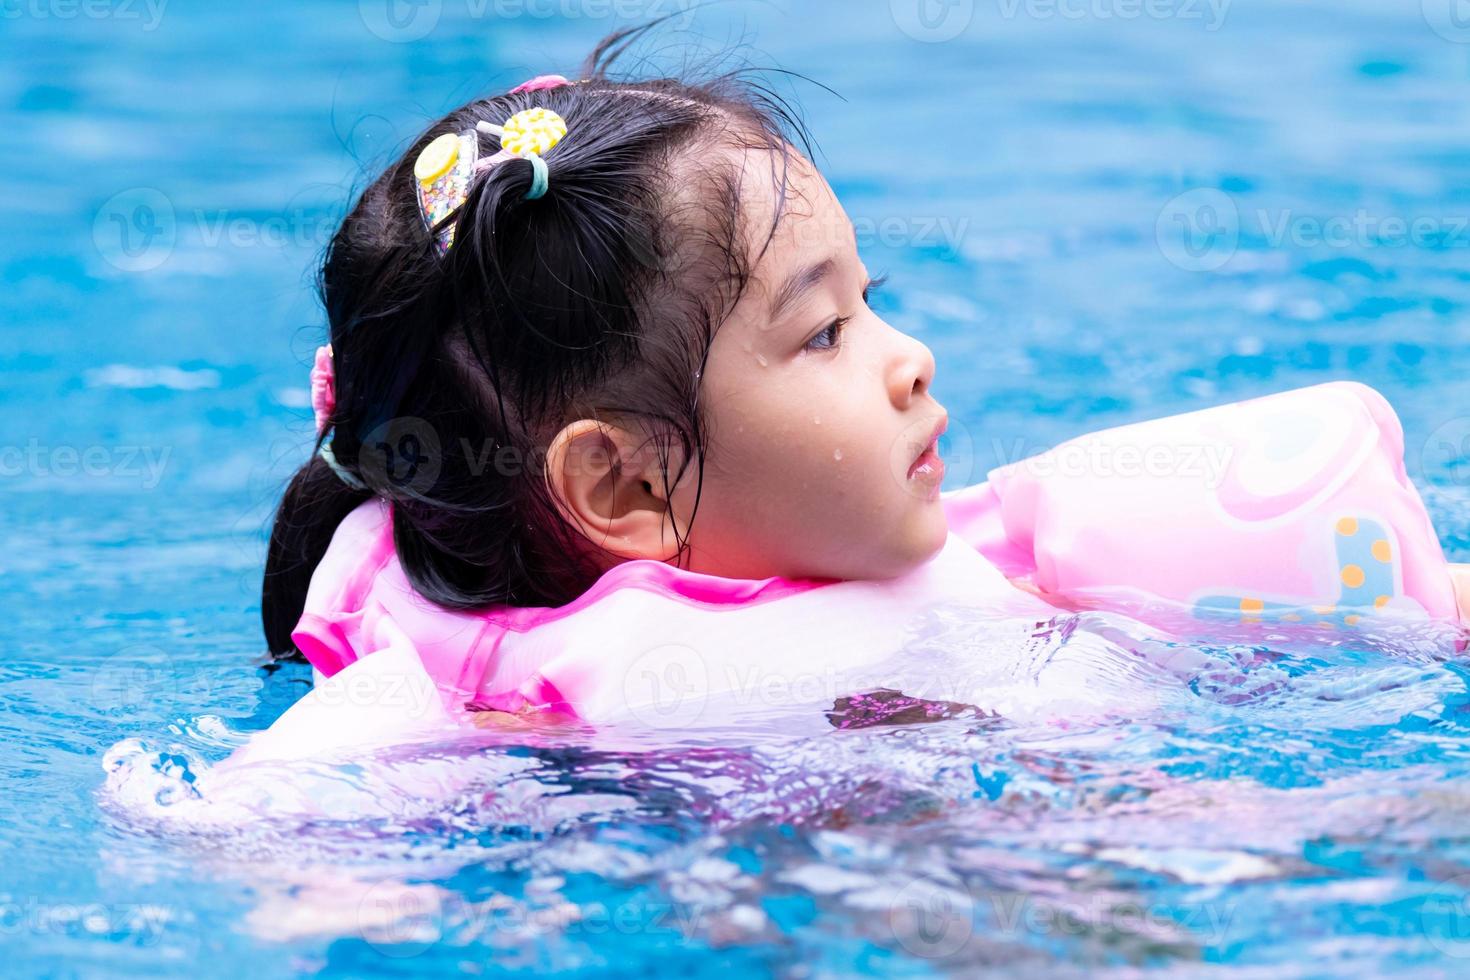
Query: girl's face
x=822, y=459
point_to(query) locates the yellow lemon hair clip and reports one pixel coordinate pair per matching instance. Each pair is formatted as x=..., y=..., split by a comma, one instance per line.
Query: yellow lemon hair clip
x=442, y=175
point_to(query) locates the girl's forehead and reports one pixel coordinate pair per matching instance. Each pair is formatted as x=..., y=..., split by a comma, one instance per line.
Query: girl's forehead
x=795, y=229
x=813, y=229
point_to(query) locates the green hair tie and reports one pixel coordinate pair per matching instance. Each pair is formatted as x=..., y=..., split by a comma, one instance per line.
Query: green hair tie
x=540, y=179
x=342, y=472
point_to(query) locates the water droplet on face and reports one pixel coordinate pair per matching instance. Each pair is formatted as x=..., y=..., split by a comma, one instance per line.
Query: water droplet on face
x=816, y=420
x=761, y=360
x=837, y=454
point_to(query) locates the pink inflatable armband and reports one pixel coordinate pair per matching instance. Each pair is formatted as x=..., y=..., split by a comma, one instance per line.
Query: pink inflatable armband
x=1293, y=508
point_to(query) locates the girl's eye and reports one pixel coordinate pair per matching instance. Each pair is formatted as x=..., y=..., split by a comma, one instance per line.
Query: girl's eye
x=829, y=336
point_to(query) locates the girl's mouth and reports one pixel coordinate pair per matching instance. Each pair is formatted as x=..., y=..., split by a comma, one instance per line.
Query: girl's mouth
x=928, y=467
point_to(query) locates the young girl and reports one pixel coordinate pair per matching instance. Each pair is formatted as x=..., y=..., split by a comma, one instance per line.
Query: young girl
x=602, y=363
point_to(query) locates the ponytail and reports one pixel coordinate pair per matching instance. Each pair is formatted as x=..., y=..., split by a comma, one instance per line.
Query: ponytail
x=316, y=501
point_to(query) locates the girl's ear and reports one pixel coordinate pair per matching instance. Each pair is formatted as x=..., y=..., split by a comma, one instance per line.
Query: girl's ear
x=608, y=482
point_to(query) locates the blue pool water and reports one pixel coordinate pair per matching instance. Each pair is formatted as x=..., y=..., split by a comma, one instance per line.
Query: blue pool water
x=1106, y=214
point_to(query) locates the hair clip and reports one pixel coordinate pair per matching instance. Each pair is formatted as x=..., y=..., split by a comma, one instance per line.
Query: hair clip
x=442, y=174
x=444, y=169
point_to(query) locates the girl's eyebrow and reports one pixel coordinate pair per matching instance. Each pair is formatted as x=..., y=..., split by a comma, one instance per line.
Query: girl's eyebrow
x=798, y=285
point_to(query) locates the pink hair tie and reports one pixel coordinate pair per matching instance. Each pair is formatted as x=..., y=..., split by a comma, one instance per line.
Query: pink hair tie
x=323, y=404
x=540, y=83
x=323, y=388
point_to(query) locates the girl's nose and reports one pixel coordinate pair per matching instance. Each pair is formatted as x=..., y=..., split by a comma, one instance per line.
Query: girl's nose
x=911, y=370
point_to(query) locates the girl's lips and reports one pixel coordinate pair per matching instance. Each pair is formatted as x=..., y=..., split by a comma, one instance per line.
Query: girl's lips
x=928, y=467
x=928, y=464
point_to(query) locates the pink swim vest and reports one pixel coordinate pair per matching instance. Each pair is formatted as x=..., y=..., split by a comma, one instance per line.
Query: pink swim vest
x=1292, y=508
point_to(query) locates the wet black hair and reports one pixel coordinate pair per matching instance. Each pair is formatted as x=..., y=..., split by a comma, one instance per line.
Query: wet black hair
x=597, y=300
